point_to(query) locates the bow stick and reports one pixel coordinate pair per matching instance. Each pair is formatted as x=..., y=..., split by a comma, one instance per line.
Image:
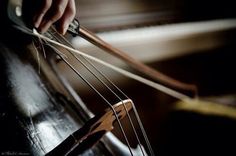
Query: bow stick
x=77, y=30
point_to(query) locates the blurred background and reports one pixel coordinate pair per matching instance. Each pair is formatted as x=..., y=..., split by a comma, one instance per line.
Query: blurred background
x=192, y=41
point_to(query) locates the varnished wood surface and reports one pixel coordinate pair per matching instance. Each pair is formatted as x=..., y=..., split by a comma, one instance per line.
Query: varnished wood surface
x=35, y=117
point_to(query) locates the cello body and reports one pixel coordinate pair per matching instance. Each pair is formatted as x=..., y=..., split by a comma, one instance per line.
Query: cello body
x=38, y=108
x=34, y=116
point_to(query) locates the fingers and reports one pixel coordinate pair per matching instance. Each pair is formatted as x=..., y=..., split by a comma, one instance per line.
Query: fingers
x=67, y=17
x=46, y=4
x=52, y=11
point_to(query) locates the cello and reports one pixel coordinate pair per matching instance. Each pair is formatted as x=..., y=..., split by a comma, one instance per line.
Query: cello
x=41, y=113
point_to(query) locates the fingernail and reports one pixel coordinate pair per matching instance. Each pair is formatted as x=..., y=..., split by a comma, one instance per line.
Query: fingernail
x=65, y=27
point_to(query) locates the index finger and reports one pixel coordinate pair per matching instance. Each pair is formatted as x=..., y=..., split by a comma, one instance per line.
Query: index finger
x=46, y=4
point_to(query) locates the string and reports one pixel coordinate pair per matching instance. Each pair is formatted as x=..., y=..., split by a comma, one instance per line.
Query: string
x=157, y=86
x=63, y=58
x=93, y=88
x=100, y=80
x=150, y=83
x=134, y=108
x=141, y=79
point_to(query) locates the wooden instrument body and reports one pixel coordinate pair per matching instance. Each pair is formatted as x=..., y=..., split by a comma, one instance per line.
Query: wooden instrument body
x=39, y=109
x=34, y=113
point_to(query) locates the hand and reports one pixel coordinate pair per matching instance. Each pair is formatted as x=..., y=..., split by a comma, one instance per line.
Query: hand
x=61, y=12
